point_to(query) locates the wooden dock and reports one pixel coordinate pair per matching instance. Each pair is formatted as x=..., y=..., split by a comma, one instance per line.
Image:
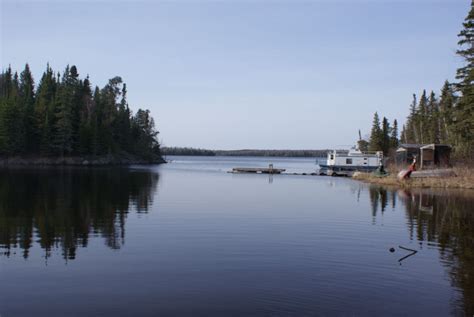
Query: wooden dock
x=258, y=170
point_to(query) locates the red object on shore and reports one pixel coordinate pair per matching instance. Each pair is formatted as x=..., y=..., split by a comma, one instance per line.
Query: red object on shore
x=411, y=169
x=406, y=173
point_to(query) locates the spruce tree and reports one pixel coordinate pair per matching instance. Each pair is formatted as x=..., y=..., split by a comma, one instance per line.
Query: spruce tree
x=13, y=123
x=44, y=110
x=422, y=119
x=86, y=119
x=6, y=83
x=410, y=131
x=63, y=132
x=385, y=136
x=99, y=146
x=122, y=123
x=26, y=104
x=394, y=135
x=446, y=106
x=77, y=105
x=466, y=50
x=403, y=138
x=464, y=123
x=463, y=117
x=376, y=140
x=433, y=122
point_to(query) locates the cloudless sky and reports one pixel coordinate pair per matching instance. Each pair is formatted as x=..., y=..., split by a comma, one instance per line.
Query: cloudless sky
x=247, y=74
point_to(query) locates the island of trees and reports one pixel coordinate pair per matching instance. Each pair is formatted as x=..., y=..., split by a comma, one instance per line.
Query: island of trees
x=447, y=119
x=64, y=116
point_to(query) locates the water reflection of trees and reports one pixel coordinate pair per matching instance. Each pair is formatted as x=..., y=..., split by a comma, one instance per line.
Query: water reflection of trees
x=445, y=218
x=61, y=208
x=380, y=197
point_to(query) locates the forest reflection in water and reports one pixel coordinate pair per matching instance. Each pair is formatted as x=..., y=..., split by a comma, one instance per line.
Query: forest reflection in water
x=443, y=219
x=65, y=209
x=61, y=208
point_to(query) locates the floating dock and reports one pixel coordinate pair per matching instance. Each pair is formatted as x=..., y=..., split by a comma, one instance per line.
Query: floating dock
x=258, y=170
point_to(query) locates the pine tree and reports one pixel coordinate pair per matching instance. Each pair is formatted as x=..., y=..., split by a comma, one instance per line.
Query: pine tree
x=385, y=136
x=463, y=117
x=122, y=124
x=466, y=51
x=394, y=135
x=6, y=83
x=446, y=105
x=26, y=104
x=145, y=133
x=77, y=105
x=433, y=122
x=376, y=139
x=109, y=96
x=464, y=123
x=422, y=118
x=44, y=110
x=403, y=138
x=12, y=120
x=97, y=146
x=410, y=130
x=63, y=132
x=86, y=119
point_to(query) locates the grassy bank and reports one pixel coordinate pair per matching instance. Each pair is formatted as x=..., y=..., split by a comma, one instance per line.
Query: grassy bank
x=464, y=179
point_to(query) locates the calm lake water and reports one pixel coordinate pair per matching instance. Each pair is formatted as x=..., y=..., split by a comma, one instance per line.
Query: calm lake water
x=189, y=239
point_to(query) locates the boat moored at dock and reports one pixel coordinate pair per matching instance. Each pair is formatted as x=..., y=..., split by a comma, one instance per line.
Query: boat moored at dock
x=345, y=163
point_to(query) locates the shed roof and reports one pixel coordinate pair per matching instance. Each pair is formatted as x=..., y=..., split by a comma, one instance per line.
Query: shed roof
x=434, y=146
x=411, y=146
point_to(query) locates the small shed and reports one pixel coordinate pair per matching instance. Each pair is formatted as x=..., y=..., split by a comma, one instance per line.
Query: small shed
x=406, y=153
x=428, y=155
x=436, y=155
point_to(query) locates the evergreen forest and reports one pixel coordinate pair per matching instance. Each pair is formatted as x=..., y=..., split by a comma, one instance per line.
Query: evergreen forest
x=444, y=119
x=63, y=115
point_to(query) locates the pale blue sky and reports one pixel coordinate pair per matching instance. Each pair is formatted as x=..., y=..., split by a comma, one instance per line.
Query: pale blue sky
x=247, y=74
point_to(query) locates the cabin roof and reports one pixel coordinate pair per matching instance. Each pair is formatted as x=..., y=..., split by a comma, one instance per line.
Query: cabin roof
x=406, y=146
x=434, y=146
x=411, y=146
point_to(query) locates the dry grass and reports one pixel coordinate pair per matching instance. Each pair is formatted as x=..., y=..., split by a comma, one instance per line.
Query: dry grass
x=464, y=179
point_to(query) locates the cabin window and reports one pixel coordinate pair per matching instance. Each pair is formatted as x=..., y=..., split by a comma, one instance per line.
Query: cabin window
x=332, y=157
x=365, y=158
x=348, y=161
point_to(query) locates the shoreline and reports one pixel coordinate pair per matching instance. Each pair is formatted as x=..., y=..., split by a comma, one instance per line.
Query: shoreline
x=102, y=160
x=464, y=179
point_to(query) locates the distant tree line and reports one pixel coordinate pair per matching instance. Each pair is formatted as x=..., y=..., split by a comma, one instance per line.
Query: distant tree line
x=186, y=151
x=447, y=119
x=274, y=153
x=65, y=116
x=265, y=153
